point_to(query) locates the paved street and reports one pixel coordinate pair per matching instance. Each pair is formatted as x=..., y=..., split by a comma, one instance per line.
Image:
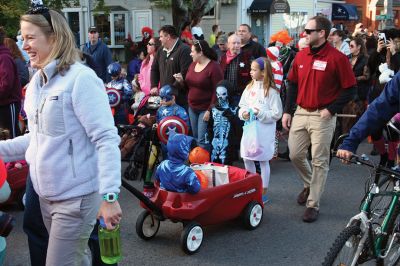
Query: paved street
x=281, y=239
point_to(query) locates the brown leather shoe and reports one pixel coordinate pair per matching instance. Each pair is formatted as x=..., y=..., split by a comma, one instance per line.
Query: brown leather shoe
x=310, y=215
x=303, y=196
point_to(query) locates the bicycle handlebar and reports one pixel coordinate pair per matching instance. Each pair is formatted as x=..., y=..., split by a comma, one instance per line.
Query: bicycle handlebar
x=355, y=159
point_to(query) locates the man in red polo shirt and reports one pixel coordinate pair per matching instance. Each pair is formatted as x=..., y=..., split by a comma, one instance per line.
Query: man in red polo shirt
x=321, y=82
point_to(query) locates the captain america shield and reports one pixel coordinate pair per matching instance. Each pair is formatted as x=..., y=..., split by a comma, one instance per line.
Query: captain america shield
x=114, y=97
x=171, y=124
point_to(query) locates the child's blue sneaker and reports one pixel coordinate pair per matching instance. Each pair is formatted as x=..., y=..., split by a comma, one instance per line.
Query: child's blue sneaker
x=265, y=198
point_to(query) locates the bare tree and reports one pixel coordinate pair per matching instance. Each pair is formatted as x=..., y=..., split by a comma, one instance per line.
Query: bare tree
x=185, y=10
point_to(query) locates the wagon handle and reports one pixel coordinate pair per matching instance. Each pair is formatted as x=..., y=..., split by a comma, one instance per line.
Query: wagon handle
x=146, y=201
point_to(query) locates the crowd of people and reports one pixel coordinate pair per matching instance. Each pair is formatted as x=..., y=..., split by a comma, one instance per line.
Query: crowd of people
x=233, y=93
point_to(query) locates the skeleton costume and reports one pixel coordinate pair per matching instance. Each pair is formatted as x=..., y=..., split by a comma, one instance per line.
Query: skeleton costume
x=222, y=126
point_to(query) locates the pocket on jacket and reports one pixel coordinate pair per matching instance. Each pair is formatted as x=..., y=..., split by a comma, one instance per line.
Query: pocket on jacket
x=52, y=115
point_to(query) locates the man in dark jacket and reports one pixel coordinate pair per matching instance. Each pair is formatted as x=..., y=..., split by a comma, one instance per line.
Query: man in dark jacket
x=174, y=58
x=248, y=45
x=10, y=90
x=100, y=53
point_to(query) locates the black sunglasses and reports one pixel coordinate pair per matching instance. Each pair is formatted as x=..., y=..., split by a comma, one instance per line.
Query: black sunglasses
x=41, y=10
x=198, y=42
x=151, y=44
x=309, y=31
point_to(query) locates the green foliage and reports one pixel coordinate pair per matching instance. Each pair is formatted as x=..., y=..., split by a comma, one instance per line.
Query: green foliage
x=11, y=11
x=101, y=7
x=60, y=4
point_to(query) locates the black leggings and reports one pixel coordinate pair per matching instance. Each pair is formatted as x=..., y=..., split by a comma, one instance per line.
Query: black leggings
x=9, y=118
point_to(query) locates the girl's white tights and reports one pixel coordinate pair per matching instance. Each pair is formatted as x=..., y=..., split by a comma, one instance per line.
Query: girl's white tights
x=265, y=170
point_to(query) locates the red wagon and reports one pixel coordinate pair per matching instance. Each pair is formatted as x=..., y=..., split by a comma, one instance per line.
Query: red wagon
x=16, y=178
x=240, y=196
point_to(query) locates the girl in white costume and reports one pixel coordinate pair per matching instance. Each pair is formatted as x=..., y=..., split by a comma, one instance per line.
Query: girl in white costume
x=261, y=102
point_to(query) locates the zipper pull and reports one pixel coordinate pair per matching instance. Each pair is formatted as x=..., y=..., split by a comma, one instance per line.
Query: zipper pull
x=70, y=148
x=37, y=116
x=44, y=101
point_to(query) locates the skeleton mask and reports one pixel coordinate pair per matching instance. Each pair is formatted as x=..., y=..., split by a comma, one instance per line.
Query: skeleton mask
x=222, y=96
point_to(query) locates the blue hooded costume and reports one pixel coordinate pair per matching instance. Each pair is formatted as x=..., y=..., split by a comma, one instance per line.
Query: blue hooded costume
x=173, y=174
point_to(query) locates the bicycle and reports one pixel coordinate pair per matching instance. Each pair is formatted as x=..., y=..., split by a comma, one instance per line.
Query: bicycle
x=374, y=233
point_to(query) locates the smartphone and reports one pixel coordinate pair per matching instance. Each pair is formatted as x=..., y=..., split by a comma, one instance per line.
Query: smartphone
x=382, y=36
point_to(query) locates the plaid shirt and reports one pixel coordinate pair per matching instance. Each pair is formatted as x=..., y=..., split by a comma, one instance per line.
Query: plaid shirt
x=238, y=71
x=231, y=74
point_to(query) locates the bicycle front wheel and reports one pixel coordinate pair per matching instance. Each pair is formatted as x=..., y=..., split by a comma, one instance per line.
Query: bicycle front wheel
x=344, y=249
x=393, y=255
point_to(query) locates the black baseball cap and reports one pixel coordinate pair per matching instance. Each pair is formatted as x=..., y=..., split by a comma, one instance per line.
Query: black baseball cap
x=92, y=28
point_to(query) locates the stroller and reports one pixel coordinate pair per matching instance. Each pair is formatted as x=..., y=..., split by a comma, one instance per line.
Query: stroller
x=136, y=139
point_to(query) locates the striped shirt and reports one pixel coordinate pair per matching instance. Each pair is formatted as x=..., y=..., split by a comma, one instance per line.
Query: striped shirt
x=277, y=71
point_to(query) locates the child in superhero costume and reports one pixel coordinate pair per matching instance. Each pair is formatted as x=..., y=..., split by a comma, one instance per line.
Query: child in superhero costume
x=172, y=173
x=169, y=108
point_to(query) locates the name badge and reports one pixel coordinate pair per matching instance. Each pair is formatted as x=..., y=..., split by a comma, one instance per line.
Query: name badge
x=319, y=65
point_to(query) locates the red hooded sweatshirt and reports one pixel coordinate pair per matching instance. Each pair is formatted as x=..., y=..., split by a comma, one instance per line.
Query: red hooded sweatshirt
x=10, y=88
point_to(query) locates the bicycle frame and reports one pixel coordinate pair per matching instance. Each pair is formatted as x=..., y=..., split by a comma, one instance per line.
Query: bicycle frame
x=364, y=217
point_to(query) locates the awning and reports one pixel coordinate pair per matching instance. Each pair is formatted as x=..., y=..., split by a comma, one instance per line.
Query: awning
x=260, y=7
x=344, y=12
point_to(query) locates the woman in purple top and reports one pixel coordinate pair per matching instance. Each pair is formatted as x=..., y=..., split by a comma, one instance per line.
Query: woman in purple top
x=201, y=79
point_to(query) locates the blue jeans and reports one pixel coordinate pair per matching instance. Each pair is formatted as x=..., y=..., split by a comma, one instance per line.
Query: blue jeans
x=38, y=238
x=199, y=128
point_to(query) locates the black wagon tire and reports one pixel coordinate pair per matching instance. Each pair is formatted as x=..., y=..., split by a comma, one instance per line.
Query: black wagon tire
x=347, y=241
x=252, y=215
x=147, y=225
x=192, y=237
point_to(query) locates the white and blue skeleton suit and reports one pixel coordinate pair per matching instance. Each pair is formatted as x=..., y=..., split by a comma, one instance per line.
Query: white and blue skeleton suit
x=223, y=126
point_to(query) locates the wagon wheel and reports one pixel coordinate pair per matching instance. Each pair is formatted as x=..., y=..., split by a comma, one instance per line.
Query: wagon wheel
x=147, y=225
x=252, y=215
x=192, y=238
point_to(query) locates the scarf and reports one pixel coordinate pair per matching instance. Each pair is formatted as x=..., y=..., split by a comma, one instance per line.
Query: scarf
x=230, y=57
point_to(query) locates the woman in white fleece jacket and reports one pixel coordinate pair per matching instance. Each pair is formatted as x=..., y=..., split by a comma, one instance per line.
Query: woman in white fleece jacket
x=72, y=144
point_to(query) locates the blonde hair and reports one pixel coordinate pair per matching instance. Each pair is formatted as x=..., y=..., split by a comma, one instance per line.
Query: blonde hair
x=59, y=33
x=269, y=81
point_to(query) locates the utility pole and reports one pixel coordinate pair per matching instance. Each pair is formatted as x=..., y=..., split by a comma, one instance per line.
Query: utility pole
x=388, y=11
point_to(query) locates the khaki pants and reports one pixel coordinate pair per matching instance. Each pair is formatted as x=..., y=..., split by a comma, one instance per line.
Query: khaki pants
x=309, y=128
x=69, y=223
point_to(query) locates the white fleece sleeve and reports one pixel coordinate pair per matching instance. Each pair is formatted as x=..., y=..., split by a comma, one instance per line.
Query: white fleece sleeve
x=274, y=111
x=14, y=149
x=243, y=105
x=91, y=106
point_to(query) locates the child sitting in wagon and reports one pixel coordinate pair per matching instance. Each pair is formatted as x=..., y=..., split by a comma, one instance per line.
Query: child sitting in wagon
x=172, y=173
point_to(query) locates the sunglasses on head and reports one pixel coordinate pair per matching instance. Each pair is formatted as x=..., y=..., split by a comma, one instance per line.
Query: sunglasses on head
x=195, y=42
x=41, y=10
x=309, y=31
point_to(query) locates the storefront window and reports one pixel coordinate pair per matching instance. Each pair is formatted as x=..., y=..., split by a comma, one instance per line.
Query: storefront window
x=294, y=23
x=102, y=23
x=112, y=28
x=119, y=29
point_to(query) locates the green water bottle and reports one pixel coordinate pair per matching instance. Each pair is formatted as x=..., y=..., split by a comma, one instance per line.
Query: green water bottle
x=110, y=243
